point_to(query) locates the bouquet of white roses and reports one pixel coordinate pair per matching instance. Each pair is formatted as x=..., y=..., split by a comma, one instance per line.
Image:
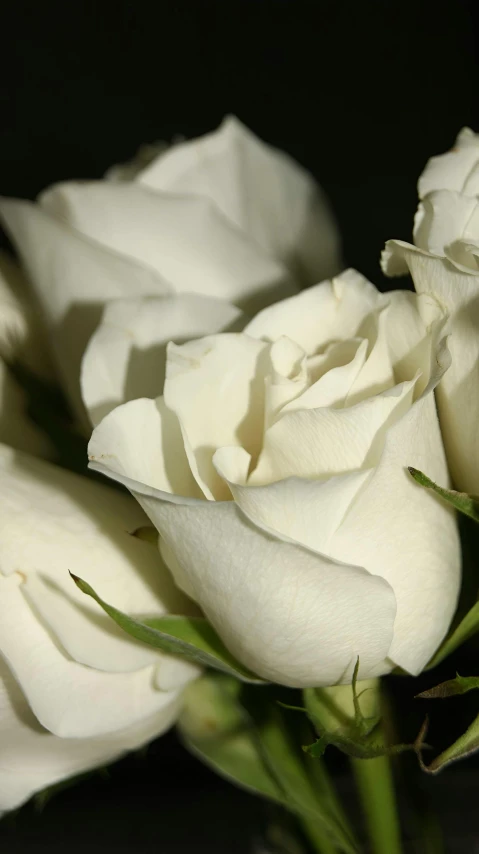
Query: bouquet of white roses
x=285, y=432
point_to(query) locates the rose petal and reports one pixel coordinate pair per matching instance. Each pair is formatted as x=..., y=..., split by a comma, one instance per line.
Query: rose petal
x=153, y=428
x=377, y=373
x=307, y=511
x=22, y=337
x=409, y=537
x=126, y=356
x=72, y=278
x=70, y=699
x=444, y=218
x=76, y=525
x=314, y=443
x=413, y=321
x=32, y=758
x=299, y=628
x=214, y=406
x=457, y=396
x=319, y=315
x=258, y=188
x=185, y=239
x=393, y=262
x=16, y=429
x=335, y=379
x=458, y=169
x=288, y=377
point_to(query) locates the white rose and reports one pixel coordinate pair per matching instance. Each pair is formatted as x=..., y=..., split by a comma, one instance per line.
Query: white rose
x=225, y=216
x=75, y=692
x=20, y=342
x=444, y=262
x=274, y=469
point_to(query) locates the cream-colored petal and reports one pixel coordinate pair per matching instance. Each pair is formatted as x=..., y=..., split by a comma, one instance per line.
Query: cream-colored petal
x=315, y=443
x=185, y=239
x=72, y=277
x=143, y=436
x=457, y=396
x=322, y=314
x=288, y=377
x=86, y=634
x=332, y=387
x=444, y=221
x=261, y=190
x=32, y=758
x=53, y=523
x=174, y=673
x=393, y=262
x=307, y=511
x=126, y=356
x=301, y=627
x=406, y=535
x=305, y=627
x=215, y=386
x=457, y=169
x=22, y=337
x=16, y=428
x=377, y=373
x=464, y=255
x=411, y=325
x=69, y=699
x=21, y=341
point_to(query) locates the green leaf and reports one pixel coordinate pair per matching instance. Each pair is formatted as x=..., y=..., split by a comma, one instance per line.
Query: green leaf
x=253, y=751
x=192, y=638
x=467, y=504
x=465, y=746
x=468, y=627
x=451, y=688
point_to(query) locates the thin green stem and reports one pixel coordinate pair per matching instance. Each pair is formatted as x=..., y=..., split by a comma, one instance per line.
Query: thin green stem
x=328, y=796
x=320, y=841
x=375, y=784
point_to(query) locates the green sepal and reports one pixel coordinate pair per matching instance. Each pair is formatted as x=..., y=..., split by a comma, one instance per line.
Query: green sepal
x=461, y=501
x=339, y=721
x=451, y=688
x=192, y=638
x=468, y=742
x=463, y=747
x=468, y=627
x=468, y=505
x=362, y=747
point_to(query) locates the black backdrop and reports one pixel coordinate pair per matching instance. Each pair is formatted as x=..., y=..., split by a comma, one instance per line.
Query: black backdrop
x=359, y=92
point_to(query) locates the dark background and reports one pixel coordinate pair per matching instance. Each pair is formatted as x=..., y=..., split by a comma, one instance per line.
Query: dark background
x=362, y=93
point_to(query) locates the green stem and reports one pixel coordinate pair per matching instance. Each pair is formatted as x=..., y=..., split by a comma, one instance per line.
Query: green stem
x=376, y=789
x=327, y=795
x=319, y=840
